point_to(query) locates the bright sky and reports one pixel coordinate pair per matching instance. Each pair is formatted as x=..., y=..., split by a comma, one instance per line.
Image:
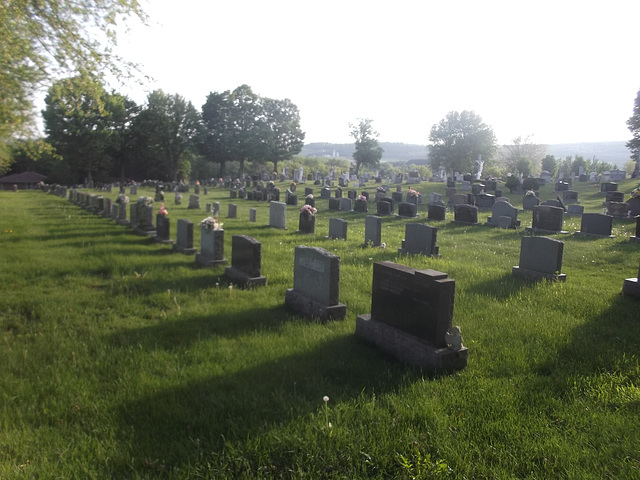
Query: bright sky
x=560, y=71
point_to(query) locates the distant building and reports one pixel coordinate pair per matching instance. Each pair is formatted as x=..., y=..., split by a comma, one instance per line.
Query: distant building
x=24, y=180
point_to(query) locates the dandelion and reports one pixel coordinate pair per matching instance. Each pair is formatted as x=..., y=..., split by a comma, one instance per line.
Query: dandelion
x=326, y=411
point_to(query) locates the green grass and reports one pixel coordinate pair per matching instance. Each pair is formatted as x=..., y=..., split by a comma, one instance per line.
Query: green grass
x=123, y=360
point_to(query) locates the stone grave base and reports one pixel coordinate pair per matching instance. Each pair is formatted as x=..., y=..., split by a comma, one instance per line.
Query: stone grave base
x=594, y=235
x=205, y=261
x=532, y=274
x=545, y=232
x=310, y=308
x=410, y=349
x=435, y=253
x=144, y=232
x=458, y=222
x=240, y=278
x=631, y=286
x=185, y=250
x=165, y=241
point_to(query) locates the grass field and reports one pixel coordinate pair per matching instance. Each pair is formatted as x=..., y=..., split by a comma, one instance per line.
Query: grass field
x=121, y=359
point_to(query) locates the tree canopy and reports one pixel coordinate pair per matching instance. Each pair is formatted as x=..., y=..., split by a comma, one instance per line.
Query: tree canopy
x=458, y=139
x=523, y=156
x=368, y=150
x=46, y=38
x=634, y=126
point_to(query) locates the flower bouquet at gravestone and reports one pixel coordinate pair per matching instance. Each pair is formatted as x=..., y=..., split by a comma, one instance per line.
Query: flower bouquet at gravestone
x=163, y=211
x=380, y=190
x=122, y=199
x=412, y=194
x=307, y=211
x=146, y=201
x=635, y=193
x=211, y=223
x=362, y=198
x=530, y=193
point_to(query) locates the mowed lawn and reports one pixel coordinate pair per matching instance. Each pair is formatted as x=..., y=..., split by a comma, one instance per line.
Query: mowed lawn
x=121, y=359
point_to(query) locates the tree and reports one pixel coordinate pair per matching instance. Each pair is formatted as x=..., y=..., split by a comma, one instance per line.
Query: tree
x=522, y=156
x=368, y=151
x=284, y=137
x=634, y=144
x=80, y=122
x=214, y=142
x=458, y=140
x=550, y=164
x=46, y=38
x=168, y=127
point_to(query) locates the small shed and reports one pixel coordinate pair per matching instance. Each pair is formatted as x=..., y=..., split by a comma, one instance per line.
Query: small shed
x=23, y=180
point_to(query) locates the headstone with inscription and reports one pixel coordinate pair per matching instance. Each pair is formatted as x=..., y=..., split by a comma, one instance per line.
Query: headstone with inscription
x=597, y=224
x=316, y=285
x=411, y=318
x=547, y=219
x=211, y=248
x=466, y=214
x=420, y=238
x=184, y=237
x=372, y=231
x=337, y=228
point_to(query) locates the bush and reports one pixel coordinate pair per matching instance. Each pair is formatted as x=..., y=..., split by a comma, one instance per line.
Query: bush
x=512, y=182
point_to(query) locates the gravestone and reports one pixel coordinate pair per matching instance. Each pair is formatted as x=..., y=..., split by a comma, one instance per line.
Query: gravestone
x=436, y=212
x=420, y=238
x=547, y=219
x=540, y=258
x=278, y=215
x=233, y=194
x=618, y=209
x=574, y=209
x=211, y=248
x=345, y=204
x=503, y=209
x=316, y=285
x=466, y=214
x=407, y=209
x=561, y=186
x=361, y=206
x=334, y=203
x=485, y=200
x=310, y=201
x=636, y=238
x=246, y=260
x=634, y=206
x=207, y=208
x=163, y=229
x=631, y=286
x=252, y=215
x=144, y=219
x=477, y=188
x=435, y=199
x=325, y=192
x=338, y=193
x=292, y=199
x=184, y=243
x=352, y=194
x=106, y=212
x=397, y=196
x=232, y=211
x=308, y=191
x=570, y=196
x=596, y=224
x=306, y=223
x=215, y=208
x=194, y=202
x=460, y=199
x=372, y=231
x=614, y=196
x=608, y=187
x=411, y=318
x=258, y=196
x=385, y=206
x=337, y=228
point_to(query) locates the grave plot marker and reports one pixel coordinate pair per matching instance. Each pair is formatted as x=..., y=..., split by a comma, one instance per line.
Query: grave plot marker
x=420, y=238
x=411, y=317
x=540, y=258
x=184, y=237
x=246, y=259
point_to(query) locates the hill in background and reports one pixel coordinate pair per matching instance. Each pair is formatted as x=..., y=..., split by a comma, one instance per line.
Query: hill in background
x=611, y=152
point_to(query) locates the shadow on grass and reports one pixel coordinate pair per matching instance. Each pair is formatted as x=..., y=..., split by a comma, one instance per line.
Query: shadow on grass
x=500, y=288
x=179, y=425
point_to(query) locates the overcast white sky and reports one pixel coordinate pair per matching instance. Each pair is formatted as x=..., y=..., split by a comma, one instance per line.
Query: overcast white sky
x=561, y=71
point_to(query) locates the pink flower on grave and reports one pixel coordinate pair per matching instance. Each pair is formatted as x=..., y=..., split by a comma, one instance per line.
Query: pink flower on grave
x=412, y=193
x=308, y=211
x=163, y=211
x=363, y=198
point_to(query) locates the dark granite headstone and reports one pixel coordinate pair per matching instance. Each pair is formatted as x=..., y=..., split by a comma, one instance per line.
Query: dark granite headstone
x=608, y=187
x=614, y=196
x=466, y=214
x=385, y=206
x=503, y=209
x=334, y=203
x=397, y=197
x=337, y=228
x=411, y=317
x=484, y=200
x=372, y=231
x=246, y=259
x=406, y=209
x=306, y=223
x=361, y=206
x=436, y=212
x=528, y=202
x=547, y=219
x=163, y=227
x=419, y=238
x=316, y=284
x=540, y=257
x=596, y=224
x=570, y=196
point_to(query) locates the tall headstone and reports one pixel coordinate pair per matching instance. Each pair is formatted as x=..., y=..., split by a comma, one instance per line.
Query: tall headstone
x=233, y=211
x=540, y=258
x=436, y=212
x=184, y=243
x=246, y=259
x=411, y=317
x=211, y=248
x=252, y=214
x=337, y=228
x=278, y=215
x=194, y=202
x=163, y=229
x=420, y=238
x=372, y=231
x=316, y=285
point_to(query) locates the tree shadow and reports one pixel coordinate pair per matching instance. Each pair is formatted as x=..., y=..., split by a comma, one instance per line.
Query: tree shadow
x=178, y=424
x=500, y=288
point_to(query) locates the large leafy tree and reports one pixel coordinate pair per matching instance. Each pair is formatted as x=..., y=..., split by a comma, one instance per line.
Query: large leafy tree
x=43, y=38
x=215, y=142
x=458, y=139
x=523, y=155
x=368, y=151
x=80, y=120
x=283, y=136
x=634, y=144
x=167, y=129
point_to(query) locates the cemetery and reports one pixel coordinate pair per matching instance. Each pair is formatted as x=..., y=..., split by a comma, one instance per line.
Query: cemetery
x=479, y=352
